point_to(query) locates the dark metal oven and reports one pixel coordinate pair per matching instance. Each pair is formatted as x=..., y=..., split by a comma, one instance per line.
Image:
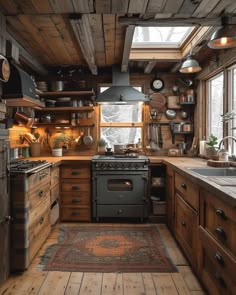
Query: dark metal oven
x=120, y=187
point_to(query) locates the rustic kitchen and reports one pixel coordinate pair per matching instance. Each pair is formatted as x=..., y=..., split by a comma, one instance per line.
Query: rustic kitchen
x=117, y=147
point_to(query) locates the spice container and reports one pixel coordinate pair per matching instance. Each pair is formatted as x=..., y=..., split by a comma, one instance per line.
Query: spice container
x=187, y=127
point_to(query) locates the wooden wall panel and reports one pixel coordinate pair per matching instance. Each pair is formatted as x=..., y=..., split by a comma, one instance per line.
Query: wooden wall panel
x=61, y=25
x=42, y=6
x=103, y=6
x=62, y=6
x=205, y=7
x=155, y=6
x=109, y=28
x=83, y=6
x=172, y=6
x=119, y=6
x=137, y=6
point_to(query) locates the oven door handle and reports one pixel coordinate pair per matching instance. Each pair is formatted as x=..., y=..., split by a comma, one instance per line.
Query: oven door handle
x=39, y=169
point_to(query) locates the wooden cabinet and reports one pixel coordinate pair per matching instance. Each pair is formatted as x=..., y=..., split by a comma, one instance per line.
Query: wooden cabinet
x=75, y=192
x=186, y=216
x=170, y=198
x=54, y=194
x=157, y=174
x=4, y=206
x=217, y=230
x=30, y=201
x=186, y=228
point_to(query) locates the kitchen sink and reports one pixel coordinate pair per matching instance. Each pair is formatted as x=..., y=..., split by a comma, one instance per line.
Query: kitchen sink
x=214, y=171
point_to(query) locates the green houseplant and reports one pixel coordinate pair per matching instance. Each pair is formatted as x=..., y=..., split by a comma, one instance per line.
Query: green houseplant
x=211, y=149
x=101, y=145
x=57, y=144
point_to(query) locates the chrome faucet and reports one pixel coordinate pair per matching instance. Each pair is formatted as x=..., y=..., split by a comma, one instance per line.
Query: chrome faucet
x=222, y=140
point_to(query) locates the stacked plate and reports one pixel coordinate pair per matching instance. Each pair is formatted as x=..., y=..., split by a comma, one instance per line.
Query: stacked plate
x=42, y=86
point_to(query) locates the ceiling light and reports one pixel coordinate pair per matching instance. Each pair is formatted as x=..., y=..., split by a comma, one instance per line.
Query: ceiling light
x=224, y=37
x=190, y=65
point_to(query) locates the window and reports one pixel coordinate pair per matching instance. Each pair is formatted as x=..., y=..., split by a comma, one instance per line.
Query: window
x=215, y=87
x=172, y=37
x=231, y=127
x=121, y=124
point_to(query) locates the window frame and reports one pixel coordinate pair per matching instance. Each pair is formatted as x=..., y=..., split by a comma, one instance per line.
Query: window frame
x=123, y=124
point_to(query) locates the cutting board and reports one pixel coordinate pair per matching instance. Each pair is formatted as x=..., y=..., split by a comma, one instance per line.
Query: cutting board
x=213, y=163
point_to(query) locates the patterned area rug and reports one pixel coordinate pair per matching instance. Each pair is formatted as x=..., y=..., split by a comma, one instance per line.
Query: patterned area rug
x=107, y=249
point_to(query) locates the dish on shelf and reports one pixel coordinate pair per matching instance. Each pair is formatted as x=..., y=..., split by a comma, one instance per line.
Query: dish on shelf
x=50, y=103
x=63, y=98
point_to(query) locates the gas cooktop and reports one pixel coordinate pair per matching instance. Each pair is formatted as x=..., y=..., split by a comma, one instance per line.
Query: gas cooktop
x=27, y=166
x=118, y=157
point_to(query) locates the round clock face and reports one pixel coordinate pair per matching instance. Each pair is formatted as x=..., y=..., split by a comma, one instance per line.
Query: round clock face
x=157, y=84
x=4, y=70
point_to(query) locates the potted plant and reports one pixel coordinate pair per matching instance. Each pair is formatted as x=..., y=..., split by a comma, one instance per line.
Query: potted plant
x=101, y=145
x=211, y=149
x=57, y=143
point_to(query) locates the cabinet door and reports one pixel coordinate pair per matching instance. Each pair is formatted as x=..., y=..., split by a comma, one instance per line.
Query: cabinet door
x=186, y=229
x=170, y=198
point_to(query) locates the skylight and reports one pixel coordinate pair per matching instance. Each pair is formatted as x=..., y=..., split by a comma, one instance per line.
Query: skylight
x=172, y=37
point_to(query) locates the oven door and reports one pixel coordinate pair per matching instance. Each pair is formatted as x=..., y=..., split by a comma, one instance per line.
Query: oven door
x=117, y=187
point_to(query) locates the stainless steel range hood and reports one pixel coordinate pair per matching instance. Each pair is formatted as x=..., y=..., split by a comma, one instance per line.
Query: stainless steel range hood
x=20, y=89
x=121, y=91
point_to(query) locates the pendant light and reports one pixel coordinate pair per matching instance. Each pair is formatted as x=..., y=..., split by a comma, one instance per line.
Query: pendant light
x=190, y=65
x=224, y=37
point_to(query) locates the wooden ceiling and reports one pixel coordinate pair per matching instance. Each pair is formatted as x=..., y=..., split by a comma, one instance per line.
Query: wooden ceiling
x=43, y=27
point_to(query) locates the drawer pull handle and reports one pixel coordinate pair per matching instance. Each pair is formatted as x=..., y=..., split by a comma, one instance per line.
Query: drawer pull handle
x=75, y=213
x=41, y=194
x=183, y=223
x=41, y=220
x=76, y=200
x=220, y=213
x=219, y=258
x=220, y=232
x=183, y=185
x=75, y=172
x=75, y=187
x=220, y=280
x=119, y=212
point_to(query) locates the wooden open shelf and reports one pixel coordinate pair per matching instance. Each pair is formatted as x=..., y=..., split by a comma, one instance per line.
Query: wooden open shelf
x=67, y=93
x=74, y=109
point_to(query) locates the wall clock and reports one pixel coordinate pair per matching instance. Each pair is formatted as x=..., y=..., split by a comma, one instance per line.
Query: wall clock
x=157, y=84
x=4, y=69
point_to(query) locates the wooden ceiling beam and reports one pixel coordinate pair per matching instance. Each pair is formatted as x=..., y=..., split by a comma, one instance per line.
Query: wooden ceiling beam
x=149, y=67
x=28, y=59
x=163, y=22
x=166, y=55
x=127, y=47
x=82, y=30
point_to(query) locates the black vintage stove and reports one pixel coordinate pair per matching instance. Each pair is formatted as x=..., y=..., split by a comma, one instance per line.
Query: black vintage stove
x=120, y=162
x=120, y=186
x=27, y=166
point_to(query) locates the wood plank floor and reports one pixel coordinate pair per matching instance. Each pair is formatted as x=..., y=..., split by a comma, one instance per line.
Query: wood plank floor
x=34, y=281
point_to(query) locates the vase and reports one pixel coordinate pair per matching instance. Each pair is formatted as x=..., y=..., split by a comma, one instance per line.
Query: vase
x=57, y=152
x=211, y=152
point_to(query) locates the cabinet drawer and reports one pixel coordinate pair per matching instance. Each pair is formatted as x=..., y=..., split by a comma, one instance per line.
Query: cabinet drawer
x=217, y=268
x=186, y=228
x=35, y=215
x=189, y=191
x=80, y=171
x=39, y=195
x=120, y=211
x=81, y=185
x=55, y=176
x=219, y=219
x=55, y=193
x=79, y=198
x=75, y=214
x=38, y=233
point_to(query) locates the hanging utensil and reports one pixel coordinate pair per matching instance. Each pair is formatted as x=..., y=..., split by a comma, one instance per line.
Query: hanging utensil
x=160, y=143
x=88, y=139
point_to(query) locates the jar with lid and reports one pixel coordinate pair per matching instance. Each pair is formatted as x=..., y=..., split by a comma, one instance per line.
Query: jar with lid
x=187, y=127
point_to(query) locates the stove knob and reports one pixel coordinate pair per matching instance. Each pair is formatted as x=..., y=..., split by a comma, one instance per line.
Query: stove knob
x=110, y=165
x=136, y=166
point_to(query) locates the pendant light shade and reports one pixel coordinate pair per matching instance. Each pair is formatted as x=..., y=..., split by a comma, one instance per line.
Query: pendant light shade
x=224, y=37
x=190, y=65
